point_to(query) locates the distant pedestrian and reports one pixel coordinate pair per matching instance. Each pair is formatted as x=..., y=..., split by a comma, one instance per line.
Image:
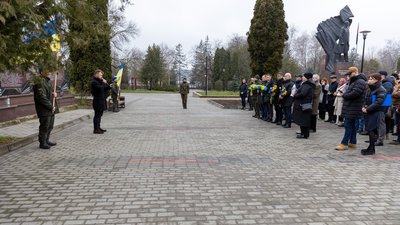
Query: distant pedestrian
x=323, y=99
x=302, y=106
x=184, y=91
x=374, y=111
x=243, y=93
x=353, y=101
x=338, y=104
x=287, y=99
x=99, y=87
x=45, y=109
x=396, y=107
x=315, y=103
x=331, y=99
x=114, y=94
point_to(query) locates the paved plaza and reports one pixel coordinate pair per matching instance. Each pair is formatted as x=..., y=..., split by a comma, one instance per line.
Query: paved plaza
x=160, y=164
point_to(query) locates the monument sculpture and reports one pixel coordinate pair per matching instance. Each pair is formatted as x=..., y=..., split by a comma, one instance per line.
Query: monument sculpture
x=333, y=35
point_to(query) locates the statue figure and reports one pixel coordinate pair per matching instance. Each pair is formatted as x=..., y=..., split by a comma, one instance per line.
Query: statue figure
x=333, y=35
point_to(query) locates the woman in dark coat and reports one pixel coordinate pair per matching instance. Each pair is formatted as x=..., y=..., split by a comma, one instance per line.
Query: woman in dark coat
x=303, y=95
x=99, y=87
x=374, y=110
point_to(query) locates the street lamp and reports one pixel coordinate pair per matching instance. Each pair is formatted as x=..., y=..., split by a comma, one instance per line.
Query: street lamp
x=364, y=33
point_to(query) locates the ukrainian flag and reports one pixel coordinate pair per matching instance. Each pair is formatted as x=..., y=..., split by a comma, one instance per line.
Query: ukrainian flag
x=119, y=74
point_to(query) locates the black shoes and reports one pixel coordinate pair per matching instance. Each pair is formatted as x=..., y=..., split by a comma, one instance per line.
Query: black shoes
x=51, y=143
x=368, y=151
x=97, y=131
x=301, y=136
x=278, y=123
x=103, y=130
x=287, y=126
x=44, y=146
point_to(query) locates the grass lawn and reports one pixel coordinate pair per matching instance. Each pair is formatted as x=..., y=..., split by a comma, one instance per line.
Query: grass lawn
x=219, y=93
x=144, y=91
x=6, y=139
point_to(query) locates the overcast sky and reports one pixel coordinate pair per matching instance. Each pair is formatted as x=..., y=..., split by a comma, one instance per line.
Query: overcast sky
x=188, y=21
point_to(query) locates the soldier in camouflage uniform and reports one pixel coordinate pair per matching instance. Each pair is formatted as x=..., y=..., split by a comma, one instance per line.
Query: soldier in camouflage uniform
x=43, y=97
x=114, y=94
x=184, y=90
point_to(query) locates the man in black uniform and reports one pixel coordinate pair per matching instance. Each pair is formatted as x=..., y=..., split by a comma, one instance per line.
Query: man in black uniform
x=99, y=87
x=184, y=90
x=43, y=97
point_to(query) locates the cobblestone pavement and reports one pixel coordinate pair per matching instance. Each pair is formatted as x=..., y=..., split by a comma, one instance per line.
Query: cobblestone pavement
x=160, y=164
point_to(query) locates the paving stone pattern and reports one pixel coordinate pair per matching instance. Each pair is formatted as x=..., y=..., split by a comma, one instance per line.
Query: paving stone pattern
x=161, y=164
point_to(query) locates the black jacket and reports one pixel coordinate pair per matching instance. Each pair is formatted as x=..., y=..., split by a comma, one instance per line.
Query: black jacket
x=354, y=97
x=332, y=89
x=99, y=89
x=303, y=95
x=42, y=91
x=243, y=89
x=288, y=99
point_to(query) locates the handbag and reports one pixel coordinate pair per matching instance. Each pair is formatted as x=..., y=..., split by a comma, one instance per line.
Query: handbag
x=386, y=102
x=306, y=107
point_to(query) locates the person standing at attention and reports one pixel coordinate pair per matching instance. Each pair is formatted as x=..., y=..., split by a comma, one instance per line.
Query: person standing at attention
x=43, y=91
x=184, y=90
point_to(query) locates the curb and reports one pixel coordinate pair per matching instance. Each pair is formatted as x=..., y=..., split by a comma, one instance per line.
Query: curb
x=215, y=103
x=33, y=137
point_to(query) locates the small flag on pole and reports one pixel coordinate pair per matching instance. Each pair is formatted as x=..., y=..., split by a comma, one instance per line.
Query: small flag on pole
x=119, y=74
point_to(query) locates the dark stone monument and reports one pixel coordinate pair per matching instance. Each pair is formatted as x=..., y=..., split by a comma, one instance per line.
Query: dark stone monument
x=333, y=35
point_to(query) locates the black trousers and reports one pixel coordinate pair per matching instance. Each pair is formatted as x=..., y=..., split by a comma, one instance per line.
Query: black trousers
x=331, y=109
x=278, y=113
x=287, y=110
x=270, y=111
x=97, y=118
x=305, y=131
x=322, y=110
x=373, y=137
x=45, y=128
x=313, y=125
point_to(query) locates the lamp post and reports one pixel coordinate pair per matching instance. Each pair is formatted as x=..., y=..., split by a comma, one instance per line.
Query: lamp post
x=364, y=33
x=206, y=75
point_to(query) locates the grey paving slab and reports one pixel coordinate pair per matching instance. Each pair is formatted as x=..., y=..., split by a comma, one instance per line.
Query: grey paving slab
x=160, y=164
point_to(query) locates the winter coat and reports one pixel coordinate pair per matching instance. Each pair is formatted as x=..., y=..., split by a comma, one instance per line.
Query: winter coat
x=277, y=89
x=338, y=104
x=303, y=95
x=99, y=89
x=287, y=98
x=243, y=89
x=315, y=101
x=354, y=97
x=332, y=88
x=396, y=96
x=267, y=91
x=42, y=90
x=375, y=110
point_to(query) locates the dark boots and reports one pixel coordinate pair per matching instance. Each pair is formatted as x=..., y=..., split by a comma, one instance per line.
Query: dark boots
x=368, y=151
x=98, y=131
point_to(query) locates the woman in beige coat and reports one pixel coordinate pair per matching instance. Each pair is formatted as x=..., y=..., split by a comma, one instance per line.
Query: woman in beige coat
x=338, y=104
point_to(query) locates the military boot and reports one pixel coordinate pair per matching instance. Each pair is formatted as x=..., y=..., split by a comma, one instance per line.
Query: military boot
x=369, y=151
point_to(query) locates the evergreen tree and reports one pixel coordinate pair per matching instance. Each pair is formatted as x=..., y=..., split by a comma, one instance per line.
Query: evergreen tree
x=222, y=67
x=89, y=41
x=23, y=42
x=153, y=68
x=202, y=63
x=267, y=36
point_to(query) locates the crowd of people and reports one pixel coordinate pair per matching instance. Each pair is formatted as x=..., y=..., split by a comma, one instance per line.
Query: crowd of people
x=362, y=105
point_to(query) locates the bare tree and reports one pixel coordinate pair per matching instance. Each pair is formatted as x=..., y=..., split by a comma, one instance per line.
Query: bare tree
x=389, y=55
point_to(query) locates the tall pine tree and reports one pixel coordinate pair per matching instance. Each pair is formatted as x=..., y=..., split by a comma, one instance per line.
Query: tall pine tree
x=267, y=36
x=153, y=68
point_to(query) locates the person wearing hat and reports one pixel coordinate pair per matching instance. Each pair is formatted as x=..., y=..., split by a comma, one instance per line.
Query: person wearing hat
x=99, y=87
x=43, y=94
x=374, y=110
x=298, y=81
x=302, y=106
x=331, y=99
x=114, y=93
x=184, y=91
x=353, y=101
